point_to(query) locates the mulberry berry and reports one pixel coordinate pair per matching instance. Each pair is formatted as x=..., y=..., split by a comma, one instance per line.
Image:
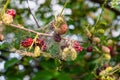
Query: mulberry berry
x=105, y=49
x=37, y=51
x=57, y=37
x=41, y=43
x=69, y=53
x=96, y=40
x=112, y=53
x=7, y=19
x=62, y=29
x=11, y=12
x=77, y=46
x=89, y=49
x=27, y=42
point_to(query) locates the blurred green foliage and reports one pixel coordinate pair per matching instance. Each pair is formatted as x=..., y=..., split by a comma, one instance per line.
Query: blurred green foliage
x=53, y=69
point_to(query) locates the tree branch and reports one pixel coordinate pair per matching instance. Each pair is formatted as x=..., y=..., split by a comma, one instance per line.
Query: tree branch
x=33, y=15
x=29, y=30
x=41, y=34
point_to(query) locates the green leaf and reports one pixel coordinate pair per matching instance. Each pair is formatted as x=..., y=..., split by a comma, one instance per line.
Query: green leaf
x=46, y=64
x=89, y=76
x=11, y=62
x=44, y=75
x=14, y=78
x=64, y=76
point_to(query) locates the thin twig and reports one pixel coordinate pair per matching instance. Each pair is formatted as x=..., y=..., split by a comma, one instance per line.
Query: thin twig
x=33, y=15
x=29, y=30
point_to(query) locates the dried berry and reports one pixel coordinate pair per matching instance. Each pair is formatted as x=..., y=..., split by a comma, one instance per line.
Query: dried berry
x=57, y=37
x=27, y=42
x=77, y=46
x=89, y=49
x=41, y=43
x=11, y=12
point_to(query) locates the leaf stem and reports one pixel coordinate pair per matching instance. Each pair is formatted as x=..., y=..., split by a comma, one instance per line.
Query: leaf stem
x=63, y=8
x=33, y=15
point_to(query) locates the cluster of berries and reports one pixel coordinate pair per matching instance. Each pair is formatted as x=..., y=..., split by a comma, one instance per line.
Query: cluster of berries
x=59, y=26
x=39, y=42
x=104, y=73
x=77, y=46
x=69, y=52
x=7, y=17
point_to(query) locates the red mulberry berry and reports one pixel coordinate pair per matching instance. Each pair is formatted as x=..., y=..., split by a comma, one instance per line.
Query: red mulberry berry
x=27, y=42
x=89, y=49
x=77, y=46
x=41, y=43
x=11, y=12
x=112, y=53
x=57, y=37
